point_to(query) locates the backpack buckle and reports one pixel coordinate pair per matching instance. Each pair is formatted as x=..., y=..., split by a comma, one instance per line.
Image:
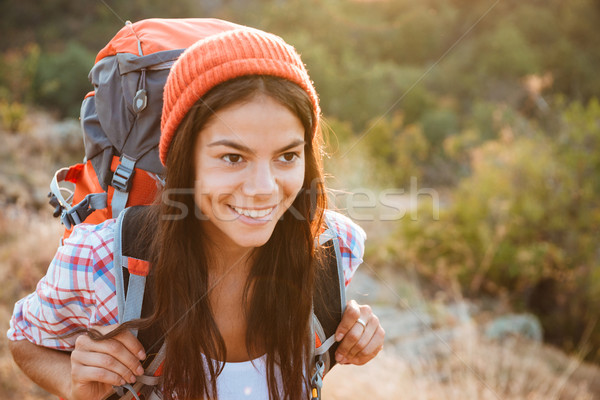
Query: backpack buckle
x=316, y=381
x=122, y=177
x=77, y=214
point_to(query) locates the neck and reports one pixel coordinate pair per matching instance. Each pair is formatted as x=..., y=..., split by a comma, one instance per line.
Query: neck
x=230, y=259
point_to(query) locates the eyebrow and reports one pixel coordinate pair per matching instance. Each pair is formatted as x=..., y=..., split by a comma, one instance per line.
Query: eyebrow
x=241, y=147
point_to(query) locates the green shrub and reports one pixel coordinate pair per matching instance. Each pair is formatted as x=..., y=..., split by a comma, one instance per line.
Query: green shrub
x=12, y=115
x=505, y=52
x=17, y=73
x=395, y=151
x=62, y=79
x=525, y=222
x=438, y=124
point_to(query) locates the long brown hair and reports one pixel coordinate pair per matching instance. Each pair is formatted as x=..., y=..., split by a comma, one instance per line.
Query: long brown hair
x=281, y=277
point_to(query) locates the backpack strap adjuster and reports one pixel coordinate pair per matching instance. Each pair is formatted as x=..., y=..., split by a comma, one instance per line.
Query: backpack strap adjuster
x=122, y=177
x=122, y=180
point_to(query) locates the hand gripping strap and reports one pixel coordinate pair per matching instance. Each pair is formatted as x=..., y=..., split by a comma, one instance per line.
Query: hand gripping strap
x=147, y=383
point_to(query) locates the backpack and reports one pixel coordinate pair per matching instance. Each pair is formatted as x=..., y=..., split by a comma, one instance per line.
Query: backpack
x=121, y=172
x=120, y=120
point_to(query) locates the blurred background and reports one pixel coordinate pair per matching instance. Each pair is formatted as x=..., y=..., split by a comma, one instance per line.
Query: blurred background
x=463, y=135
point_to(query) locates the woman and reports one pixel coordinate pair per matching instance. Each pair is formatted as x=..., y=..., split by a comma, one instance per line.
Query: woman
x=233, y=262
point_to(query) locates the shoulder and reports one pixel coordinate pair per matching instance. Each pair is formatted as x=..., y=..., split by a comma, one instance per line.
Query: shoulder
x=351, y=238
x=92, y=236
x=83, y=265
x=349, y=231
x=89, y=245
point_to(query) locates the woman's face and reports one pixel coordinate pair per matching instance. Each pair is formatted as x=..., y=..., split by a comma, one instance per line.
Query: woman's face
x=249, y=169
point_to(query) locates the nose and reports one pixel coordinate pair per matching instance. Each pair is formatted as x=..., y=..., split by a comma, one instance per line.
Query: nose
x=261, y=181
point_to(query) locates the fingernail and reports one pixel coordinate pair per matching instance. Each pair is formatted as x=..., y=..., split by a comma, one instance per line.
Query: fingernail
x=140, y=370
x=132, y=379
x=122, y=382
x=142, y=355
x=338, y=357
x=339, y=337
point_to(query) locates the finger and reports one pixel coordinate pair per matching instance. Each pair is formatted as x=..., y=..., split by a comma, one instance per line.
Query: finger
x=127, y=339
x=370, y=350
x=366, y=337
x=101, y=361
x=115, y=350
x=351, y=314
x=350, y=340
x=95, y=374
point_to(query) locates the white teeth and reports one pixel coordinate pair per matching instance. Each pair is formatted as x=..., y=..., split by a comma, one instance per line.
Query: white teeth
x=253, y=213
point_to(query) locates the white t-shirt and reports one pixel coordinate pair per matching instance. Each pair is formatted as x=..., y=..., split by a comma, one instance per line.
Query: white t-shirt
x=245, y=380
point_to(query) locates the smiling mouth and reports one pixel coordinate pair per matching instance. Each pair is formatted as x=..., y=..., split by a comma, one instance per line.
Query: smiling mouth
x=253, y=213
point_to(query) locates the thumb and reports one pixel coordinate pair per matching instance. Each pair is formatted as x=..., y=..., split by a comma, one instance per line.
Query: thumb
x=351, y=315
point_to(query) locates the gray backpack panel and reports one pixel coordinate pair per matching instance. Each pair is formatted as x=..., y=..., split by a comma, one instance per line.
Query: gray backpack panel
x=111, y=123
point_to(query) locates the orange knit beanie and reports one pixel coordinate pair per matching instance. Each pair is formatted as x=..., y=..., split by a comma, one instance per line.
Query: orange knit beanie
x=222, y=57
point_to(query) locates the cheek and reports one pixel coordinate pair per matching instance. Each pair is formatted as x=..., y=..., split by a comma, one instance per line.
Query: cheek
x=210, y=189
x=199, y=195
x=294, y=181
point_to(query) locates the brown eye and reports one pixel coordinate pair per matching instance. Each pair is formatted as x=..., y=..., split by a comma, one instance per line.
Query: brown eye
x=232, y=158
x=288, y=157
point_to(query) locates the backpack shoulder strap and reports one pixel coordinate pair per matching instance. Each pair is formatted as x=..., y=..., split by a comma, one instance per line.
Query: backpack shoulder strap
x=131, y=271
x=329, y=300
x=129, y=268
x=329, y=303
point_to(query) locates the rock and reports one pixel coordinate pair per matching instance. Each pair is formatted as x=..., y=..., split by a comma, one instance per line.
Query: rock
x=402, y=323
x=525, y=325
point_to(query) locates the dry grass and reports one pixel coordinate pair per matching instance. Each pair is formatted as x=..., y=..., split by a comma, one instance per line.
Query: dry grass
x=27, y=242
x=476, y=369
x=28, y=237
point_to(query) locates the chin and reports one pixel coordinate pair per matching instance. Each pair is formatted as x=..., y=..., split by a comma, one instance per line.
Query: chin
x=247, y=238
x=250, y=242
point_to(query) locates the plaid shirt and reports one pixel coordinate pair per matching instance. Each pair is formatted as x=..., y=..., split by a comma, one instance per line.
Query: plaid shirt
x=79, y=287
